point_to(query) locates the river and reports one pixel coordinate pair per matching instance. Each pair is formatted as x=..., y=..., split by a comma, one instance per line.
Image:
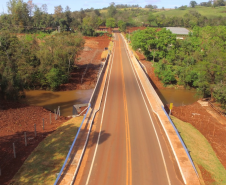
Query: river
x=178, y=97
x=51, y=100
x=66, y=99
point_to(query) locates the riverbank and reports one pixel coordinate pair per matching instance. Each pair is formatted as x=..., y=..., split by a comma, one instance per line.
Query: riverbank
x=85, y=75
x=15, y=119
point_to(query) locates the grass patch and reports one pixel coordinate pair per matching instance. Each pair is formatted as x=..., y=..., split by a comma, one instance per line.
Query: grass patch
x=47, y=159
x=201, y=151
x=205, y=11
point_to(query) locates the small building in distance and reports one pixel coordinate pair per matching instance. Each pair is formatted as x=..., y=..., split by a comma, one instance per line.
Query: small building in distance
x=104, y=29
x=179, y=31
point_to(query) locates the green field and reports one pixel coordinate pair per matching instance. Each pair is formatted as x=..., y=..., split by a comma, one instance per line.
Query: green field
x=205, y=11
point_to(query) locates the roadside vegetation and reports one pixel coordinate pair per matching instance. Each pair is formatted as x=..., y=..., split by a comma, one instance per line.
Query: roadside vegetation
x=202, y=154
x=32, y=61
x=42, y=166
x=196, y=62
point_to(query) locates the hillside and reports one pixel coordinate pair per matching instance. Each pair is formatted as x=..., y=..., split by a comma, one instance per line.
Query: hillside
x=205, y=11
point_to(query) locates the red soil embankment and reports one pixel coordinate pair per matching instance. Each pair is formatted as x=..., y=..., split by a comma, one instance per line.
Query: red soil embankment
x=157, y=84
x=211, y=128
x=15, y=119
x=90, y=58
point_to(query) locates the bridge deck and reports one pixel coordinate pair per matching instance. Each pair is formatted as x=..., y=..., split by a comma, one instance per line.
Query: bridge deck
x=128, y=146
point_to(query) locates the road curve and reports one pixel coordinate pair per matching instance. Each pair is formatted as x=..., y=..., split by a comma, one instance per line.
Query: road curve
x=128, y=146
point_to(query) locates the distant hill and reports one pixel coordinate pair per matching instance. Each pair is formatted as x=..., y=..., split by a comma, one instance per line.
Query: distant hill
x=205, y=11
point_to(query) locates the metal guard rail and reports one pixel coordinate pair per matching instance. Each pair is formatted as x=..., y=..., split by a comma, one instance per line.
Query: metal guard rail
x=90, y=102
x=72, y=146
x=181, y=140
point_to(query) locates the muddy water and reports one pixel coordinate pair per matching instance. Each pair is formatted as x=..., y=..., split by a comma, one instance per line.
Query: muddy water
x=51, y=100
x=178, y=97
x=66, y=99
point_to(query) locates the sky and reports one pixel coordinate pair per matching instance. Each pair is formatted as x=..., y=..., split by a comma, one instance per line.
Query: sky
x=78, y=4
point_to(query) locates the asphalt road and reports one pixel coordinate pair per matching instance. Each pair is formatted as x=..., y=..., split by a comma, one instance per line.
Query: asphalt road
x=128, y=146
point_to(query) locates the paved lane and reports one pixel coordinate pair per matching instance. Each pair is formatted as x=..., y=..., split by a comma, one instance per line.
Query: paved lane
x=129, y=145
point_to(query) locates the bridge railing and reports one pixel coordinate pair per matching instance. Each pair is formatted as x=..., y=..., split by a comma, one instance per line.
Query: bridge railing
x=72, y=146
x=90, y=105
x=181, y=140
x=98, y=85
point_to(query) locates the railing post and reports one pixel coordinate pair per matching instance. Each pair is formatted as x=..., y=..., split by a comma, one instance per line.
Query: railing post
x=14, y=150
x=35, y=129
x=50, y=118
x=25, y=137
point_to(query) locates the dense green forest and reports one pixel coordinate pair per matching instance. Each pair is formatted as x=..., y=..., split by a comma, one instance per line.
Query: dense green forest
x=28, y=61
x=198, y=62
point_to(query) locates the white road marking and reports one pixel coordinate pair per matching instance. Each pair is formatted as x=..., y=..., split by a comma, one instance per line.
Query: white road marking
x=91, y=167
x=150, y=118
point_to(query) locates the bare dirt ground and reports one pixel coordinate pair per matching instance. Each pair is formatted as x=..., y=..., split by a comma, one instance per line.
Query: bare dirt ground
x=132, y=29
x=85, y=74
x=15, y=119
x=210, y=127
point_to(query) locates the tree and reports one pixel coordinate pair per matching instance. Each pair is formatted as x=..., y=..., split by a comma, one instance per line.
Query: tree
x=19, y=12
x=122, y=25
x=112, y=10
x=97, y=12
x=193, y=4
x=58, y=10
x=68, y=18
x=82, y=14
x=44, y=8
x=220, y=3
x=149, y=6
x=30, y=6
x=37, y=16
x=220, y=94
x=14, y=68
x=110, y=23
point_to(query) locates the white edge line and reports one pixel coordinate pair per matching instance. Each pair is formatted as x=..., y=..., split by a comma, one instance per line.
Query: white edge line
x=151, y=121
x=164, y=130
x=87, y=181
x=76, y=171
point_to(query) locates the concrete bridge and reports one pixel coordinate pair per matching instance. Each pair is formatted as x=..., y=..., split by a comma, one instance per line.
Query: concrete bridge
x=126, y=136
